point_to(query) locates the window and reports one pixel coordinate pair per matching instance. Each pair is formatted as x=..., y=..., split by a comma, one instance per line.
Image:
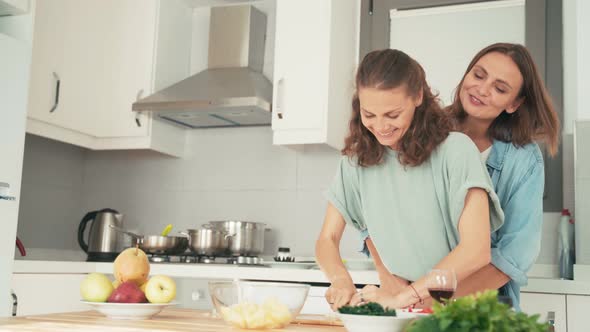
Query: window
x=542, y=36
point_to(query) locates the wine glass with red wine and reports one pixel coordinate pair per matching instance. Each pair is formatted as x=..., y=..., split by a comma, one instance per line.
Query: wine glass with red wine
x=441, y=284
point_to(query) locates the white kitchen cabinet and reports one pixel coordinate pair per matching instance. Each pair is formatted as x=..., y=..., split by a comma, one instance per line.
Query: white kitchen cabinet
x=13, y=7
x=316, y=52
x=39, y=293
x=577, y=309
x=14, y=66
x=91, y=60
x=543, y=304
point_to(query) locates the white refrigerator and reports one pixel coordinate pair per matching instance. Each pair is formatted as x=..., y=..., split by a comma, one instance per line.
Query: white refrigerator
x=14, y=81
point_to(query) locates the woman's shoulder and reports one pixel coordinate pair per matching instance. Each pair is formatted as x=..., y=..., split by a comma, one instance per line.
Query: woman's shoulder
x=456, y=148
x=526, y=154
x=457, y=141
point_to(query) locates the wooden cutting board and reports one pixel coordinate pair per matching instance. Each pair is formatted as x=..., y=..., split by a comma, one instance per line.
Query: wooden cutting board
x=318, y=320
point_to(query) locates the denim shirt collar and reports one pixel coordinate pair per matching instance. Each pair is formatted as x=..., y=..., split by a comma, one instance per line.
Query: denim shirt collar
x=496, y=158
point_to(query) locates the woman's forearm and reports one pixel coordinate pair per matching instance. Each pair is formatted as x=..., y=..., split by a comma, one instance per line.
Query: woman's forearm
x=488, y=277
x=329, y=259
x=462, y=260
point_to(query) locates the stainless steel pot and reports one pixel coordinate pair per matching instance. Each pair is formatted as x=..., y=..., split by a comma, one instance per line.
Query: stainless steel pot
x=247, y=237
x=156, y=244
x=207, y=241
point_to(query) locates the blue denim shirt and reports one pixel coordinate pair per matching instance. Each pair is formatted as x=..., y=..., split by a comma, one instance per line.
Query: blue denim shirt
x=518, y=176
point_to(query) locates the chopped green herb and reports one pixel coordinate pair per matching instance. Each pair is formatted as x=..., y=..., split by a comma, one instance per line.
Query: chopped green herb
x=480, y=312
x=368, y=309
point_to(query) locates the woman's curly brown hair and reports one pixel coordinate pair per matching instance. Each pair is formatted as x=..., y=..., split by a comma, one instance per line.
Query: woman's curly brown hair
x=385, y=70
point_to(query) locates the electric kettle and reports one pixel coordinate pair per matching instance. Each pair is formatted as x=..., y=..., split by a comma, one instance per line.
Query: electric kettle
x=102, y=239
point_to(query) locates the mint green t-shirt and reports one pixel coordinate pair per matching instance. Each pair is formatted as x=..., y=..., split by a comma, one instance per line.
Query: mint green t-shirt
x=412, y=213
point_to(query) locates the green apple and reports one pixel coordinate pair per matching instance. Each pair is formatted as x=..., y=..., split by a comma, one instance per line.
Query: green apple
x=160, y=289
x=96, y=287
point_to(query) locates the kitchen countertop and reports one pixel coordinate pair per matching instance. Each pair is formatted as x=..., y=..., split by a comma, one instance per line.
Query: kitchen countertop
x=220, y=271
x=169, y=320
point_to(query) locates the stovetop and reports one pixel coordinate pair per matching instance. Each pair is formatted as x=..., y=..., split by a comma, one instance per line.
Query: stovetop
x=192, y=259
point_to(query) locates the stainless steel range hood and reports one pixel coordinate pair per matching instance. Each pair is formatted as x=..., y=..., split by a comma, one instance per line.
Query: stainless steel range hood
x=232, y=91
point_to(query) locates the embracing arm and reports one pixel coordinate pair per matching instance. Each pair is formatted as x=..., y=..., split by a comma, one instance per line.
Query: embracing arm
x=471, y=254
x=519, y=238
x=327, y=252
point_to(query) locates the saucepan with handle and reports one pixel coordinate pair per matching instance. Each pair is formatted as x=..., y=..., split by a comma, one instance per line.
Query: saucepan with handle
x=157, y=244
x=208, y=241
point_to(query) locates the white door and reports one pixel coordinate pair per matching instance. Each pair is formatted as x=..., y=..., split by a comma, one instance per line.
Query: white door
x=101, y=52
x=14, y=66
x=40, y=294
x=577, y=309
x=301, y=60
x=110, y=57
x=47, y=74
x=546, y=305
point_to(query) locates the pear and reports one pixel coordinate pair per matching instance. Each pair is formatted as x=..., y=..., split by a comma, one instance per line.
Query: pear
x=127, y=292
x=132, y=265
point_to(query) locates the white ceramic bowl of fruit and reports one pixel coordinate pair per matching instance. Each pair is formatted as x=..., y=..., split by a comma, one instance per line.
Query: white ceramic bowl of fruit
x=258, y=305
x=133, y=294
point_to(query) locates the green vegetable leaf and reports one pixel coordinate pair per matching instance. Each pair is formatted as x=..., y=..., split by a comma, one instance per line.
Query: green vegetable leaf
x=368, y=309
x=475, y=313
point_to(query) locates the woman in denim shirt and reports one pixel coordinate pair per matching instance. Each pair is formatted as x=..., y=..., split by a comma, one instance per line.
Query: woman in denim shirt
x=502, y=104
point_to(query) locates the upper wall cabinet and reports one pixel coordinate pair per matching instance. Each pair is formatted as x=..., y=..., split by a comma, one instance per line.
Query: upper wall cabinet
x=91, y=60
x=314, y=70
x=13, y=7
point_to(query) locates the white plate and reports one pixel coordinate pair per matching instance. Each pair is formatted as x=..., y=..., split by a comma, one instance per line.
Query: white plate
x=130, y=311
x=412, y=314
x=363, y=323
x=292, y=265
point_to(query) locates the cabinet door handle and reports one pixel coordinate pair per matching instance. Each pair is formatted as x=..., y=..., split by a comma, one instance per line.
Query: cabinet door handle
x=14, y=302
x=279, y=106
x=551, y=320
x=57, y=84
x=5, y=192
x=137, y=118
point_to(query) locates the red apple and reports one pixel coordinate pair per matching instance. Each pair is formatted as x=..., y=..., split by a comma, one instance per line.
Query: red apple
x=127, y=292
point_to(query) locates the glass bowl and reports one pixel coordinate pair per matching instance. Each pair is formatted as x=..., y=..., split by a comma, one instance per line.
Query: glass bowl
x=257, y=305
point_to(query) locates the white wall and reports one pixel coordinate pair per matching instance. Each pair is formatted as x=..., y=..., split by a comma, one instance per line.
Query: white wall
x=576, y=84
x=51, y=194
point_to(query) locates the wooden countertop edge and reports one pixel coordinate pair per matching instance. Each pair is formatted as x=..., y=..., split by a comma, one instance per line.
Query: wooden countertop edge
x=170, y=319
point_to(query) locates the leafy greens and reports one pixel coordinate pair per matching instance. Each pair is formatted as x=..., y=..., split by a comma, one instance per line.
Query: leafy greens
x=368, y=309
x=474, y=313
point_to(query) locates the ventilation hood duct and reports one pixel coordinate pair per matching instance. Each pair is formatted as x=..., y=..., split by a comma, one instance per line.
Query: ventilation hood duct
x=232, y=91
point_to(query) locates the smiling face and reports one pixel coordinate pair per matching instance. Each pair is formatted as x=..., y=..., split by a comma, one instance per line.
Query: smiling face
x=387, y=114
x=491, y=87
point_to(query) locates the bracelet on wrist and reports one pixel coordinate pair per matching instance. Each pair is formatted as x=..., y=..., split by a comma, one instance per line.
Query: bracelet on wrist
x=416, y=295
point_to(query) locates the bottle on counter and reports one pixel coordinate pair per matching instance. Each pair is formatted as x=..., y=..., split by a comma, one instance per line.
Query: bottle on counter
x=565, y=246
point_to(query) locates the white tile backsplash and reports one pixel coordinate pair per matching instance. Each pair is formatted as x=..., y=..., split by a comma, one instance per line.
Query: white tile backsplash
x=51, y=194
x=237, y=159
